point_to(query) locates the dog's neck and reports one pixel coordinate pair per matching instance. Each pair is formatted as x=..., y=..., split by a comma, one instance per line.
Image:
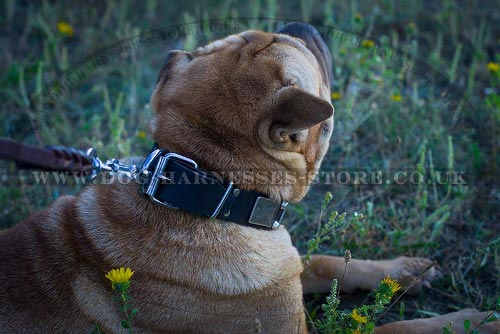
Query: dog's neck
x=176, y=246
x=242, y=164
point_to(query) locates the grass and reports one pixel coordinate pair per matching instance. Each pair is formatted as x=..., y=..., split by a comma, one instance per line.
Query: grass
x=413, y=92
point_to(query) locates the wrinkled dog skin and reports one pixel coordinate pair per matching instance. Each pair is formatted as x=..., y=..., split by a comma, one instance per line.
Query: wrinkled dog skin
x=252, y=102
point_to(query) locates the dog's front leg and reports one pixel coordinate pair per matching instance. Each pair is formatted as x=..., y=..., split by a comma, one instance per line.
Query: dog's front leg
x=363, y=274
x=436, y=324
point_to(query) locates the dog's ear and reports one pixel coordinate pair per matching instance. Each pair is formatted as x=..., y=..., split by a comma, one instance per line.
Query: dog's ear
x=175, y=60
x=296, y=110
x=315, y=44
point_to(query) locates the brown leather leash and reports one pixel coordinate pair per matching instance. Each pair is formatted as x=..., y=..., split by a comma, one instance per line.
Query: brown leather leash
x=51, y=158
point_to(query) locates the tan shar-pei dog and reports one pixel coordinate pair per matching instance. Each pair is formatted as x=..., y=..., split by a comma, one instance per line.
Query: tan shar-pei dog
x=251, y=102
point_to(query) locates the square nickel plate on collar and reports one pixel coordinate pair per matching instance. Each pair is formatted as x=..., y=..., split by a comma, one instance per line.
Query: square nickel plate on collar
x=267, y=213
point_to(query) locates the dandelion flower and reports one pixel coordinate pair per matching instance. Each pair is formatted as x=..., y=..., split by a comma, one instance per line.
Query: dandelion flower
x=493, y=67
x=396, y=97
x=119, y=276
x=358, y=317
x=141, y=134
x=393, y=284
x=336, y=96
x=357, y=331
x=65, y=28
x=368, y=43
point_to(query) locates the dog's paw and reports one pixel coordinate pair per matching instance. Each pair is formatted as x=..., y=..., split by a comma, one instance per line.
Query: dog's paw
x=407, y=269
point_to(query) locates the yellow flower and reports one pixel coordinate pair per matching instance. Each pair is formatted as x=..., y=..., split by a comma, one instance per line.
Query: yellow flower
x=493, y=67
x=358, y=317
x=396, y=97
x=368, y=43
x=357, y=331
x=65, y=28
x=119, y=276
x=336, y=95
x=393, y=284
x=411, y=27
x=141, y=134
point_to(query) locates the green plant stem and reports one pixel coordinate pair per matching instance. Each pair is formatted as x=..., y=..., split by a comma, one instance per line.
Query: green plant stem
x=341, y=279
x=124, y=298
x=482, y=321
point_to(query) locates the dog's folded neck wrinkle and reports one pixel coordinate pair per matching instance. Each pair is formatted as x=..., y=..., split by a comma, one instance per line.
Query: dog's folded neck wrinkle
x=263, y=48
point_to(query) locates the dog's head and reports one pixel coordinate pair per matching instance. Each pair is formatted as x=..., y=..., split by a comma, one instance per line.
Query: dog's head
x=254, y=107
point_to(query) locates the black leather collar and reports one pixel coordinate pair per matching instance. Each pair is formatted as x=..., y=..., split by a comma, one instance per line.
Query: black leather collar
x=175, y=181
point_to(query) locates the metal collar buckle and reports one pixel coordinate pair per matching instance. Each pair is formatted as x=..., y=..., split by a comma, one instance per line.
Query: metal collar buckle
x=267, y=213
x=157, y=176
